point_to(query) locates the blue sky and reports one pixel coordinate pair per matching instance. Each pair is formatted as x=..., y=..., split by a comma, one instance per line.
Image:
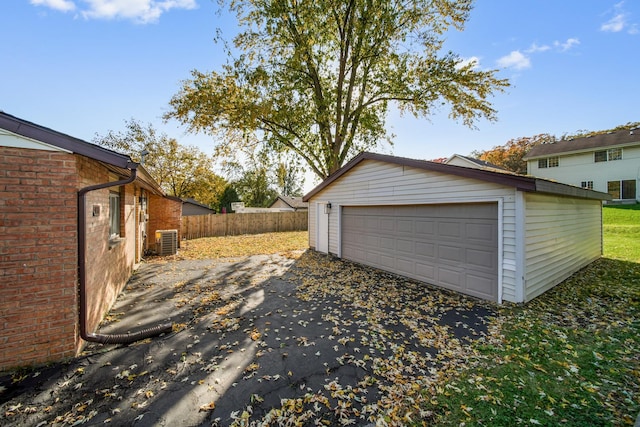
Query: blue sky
x=83, y=67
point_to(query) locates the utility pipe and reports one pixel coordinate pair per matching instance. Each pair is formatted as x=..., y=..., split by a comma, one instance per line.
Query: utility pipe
x=125, y=338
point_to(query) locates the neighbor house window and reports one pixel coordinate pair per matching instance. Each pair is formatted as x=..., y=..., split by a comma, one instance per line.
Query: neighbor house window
x=551, y=162
x=608, y=155
x=114, y=214
x=587, y=184
x=625, y=189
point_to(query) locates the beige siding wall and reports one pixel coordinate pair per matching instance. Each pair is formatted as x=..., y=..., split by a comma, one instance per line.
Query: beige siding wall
x=562, y=235
x=379, y=183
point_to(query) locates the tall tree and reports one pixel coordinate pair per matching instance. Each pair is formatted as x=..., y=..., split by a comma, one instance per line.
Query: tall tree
x=317, y=78
x=288, y=181
x=181, y=171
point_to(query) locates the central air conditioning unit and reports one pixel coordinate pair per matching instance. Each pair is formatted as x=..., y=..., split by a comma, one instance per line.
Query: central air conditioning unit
x=166, y=242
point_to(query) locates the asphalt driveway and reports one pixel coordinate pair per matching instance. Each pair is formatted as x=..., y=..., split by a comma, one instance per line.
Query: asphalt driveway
x=301, y=339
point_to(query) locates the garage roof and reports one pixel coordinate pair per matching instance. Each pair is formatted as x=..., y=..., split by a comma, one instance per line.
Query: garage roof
x=520, y=182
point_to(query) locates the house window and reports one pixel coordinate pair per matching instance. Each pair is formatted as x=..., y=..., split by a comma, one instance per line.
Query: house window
x=587, y=184
x=608, y=155
x=551, y=162
x=614, y=154
x=625, y=189
x=114, y=215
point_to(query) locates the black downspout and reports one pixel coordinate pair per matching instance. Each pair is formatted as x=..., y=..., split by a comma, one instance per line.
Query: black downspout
x=126, y=338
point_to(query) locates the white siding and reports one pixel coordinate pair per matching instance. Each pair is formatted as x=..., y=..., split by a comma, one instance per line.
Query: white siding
x=10, y=139
x=380, y=183
x=575, y=168
x=562, y=235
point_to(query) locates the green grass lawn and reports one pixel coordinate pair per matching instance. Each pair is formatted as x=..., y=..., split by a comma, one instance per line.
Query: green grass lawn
x=622, y=232
x=569, y=357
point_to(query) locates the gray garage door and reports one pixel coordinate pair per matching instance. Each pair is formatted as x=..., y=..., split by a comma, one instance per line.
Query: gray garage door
x=451, y=245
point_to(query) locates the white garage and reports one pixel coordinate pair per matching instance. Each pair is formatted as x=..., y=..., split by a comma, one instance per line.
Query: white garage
x=492, y=235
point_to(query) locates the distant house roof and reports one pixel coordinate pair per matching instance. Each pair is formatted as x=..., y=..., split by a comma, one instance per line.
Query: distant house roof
x=116, y=162
x=520, y=182
x=588, y=143
x=293, y=202
x=193, y=207
x=473, y=162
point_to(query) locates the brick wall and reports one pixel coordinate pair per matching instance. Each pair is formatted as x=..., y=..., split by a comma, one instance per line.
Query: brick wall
x=164, y=214
x=38, y=264
x=109, y=264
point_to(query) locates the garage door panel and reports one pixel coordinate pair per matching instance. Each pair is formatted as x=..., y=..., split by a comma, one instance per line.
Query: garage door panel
x=405, y=265
x=426, y=272
x=450, y=278
x=387, y=243
x=388, y=262
x=387, y=225
x=425, y=249
x=451, y=254
x=480, y=259
x=405, y=246
x=480, y=286
x=425, y=228
x=449, y=229
x=454, y=246
x=482, y=232
x=405, y=226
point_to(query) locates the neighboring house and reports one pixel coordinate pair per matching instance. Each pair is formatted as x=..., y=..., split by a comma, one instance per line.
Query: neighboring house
x=497, y=236
x=289, y=203
x=191, y=207
x=75, y=218
x=472, y=162
x=607, y=162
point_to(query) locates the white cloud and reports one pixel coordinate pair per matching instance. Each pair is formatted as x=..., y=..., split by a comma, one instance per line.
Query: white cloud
x=61, y=5
x=619, y=21
x=615, y=24
x=535, y=48
x=565, y=46
x=515, y=60
x=141, y=11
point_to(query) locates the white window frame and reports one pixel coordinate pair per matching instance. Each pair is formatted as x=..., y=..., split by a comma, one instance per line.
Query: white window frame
x=115, y=202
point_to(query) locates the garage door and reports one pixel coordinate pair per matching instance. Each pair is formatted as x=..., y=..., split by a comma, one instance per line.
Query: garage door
x=451, y=245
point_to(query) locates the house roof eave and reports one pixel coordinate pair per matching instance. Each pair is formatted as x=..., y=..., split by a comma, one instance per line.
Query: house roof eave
x=57, y=139
x=519, y=182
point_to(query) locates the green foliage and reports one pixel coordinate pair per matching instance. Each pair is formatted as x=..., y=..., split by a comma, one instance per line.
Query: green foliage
x=316, y=78
x=181, y=171
x=254, y=188
x=229, y=195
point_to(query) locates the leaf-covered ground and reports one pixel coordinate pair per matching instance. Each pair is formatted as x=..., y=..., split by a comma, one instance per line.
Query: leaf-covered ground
x=244, y=245
x=299, y=338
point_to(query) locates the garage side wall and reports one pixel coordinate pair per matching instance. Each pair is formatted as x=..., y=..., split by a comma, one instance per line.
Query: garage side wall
x=380, y=183
x=562, y=235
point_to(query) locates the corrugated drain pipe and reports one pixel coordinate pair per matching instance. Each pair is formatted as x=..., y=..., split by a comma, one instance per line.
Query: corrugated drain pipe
x=125, y=338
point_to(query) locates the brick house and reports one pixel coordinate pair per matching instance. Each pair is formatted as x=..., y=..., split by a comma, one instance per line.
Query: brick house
x=75, y=219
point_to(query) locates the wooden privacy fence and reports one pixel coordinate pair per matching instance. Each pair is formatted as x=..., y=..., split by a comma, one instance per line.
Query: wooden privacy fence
x=196, y=226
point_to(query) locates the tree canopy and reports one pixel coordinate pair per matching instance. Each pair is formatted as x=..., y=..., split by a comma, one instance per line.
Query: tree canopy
x=317, y=78
x=181, y=171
